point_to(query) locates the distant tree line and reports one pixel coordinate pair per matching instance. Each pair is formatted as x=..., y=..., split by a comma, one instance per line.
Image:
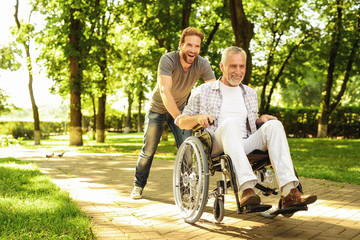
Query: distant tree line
x=301, y=53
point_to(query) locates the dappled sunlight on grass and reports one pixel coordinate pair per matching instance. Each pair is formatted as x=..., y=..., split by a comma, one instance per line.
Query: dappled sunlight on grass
x=341, y=146
x=31, y=205
x=13, y=165
x=332, y=159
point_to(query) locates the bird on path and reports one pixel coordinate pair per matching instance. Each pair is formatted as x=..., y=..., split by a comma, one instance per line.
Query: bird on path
x=61, y=154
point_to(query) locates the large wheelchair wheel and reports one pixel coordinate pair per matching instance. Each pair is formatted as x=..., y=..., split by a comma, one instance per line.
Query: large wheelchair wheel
x=191, y=179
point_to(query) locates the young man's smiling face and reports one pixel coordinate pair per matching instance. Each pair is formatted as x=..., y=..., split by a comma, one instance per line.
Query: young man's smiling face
x=190, y=48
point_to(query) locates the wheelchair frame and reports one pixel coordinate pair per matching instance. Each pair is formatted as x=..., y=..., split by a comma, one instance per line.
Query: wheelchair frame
x=192, y=169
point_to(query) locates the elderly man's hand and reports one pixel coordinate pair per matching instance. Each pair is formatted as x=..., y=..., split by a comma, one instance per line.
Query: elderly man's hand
x=264, y=118
x=205, y=120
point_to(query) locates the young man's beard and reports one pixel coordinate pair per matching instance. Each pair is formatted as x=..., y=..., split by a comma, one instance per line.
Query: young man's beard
x=185, y=57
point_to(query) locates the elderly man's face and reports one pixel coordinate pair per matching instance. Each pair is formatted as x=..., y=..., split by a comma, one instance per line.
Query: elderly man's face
x=233, y=69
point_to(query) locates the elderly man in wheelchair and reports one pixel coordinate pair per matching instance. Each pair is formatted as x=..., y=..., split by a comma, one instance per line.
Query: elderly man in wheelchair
x=227, y=112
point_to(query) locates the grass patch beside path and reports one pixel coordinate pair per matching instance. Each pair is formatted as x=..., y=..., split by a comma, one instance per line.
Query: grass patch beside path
x=32, y=207
x=127, y=144
x=331, y=159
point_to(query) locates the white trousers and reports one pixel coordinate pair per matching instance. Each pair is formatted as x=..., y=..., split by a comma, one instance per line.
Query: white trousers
x=271, y=136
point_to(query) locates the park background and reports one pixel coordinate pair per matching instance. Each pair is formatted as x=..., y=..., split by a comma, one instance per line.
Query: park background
x=75, y=77
x=90, y=66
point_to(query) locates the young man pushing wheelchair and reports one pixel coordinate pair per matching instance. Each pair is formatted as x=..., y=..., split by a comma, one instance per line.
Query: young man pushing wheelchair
x=228, y=110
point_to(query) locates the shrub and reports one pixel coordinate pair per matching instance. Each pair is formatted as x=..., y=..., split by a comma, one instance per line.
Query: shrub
x=7, y=140
x=25, y=130
x=303, y=122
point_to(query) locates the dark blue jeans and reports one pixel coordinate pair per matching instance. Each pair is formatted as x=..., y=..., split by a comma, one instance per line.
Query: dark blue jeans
x=154, y=126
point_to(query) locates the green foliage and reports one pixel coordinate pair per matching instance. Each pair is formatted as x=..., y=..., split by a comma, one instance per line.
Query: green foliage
x=117, y=122
x=345, y=121
x=8, y=58
x=298, y=122
x=5, y=106
x=302, y=122
x=128, y=37
x=8, y=140
x=25, y=130
x=32, y=207
x=19, y=129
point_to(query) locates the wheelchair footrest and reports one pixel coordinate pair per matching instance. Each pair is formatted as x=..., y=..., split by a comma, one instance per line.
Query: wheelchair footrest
x=289, y=210
x=254, y=208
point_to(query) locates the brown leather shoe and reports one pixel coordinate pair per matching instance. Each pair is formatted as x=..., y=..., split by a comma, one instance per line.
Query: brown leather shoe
x=295, y=197
x=249, y=197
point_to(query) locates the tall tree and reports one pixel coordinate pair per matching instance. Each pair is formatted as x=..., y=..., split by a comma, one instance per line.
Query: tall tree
x=67, y=41
x=24, y=36
x=343, y=32
x=103, y=52
x=243, y=31
x=76, y=76
x=281, y=32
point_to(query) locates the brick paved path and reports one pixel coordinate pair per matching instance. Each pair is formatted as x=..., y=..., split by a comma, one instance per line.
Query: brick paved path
x=101, y=184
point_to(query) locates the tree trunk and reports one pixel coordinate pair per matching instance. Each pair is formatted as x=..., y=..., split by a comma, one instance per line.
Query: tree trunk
x=336, y=38
x=269, y=64
x=100, y=126
x=128, y=118
x=323, y=124
x=139, y=120
x=100, y=122
x=280, y=72
x=37, y=133
x=186, y=13
x=327, y=108
x=210, y=37
x=75, y=83
x=94, y=116
x=205, y=46
x=243, y=32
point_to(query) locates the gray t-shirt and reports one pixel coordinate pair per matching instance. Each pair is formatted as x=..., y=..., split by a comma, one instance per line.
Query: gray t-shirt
x=182, y=82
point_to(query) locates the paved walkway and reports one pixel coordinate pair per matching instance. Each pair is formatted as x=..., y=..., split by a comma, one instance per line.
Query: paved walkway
x=101, y=184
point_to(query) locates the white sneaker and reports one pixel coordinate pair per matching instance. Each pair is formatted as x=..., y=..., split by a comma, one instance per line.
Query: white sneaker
x=136, y=193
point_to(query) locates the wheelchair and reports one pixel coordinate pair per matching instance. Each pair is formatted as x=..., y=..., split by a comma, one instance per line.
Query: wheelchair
x=193, y=167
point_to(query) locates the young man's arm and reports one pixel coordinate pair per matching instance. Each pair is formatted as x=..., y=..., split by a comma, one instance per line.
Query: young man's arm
x=210, y=80
x=167, y=97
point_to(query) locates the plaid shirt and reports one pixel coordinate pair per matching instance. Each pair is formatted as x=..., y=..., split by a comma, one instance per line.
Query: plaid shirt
x=207, y=99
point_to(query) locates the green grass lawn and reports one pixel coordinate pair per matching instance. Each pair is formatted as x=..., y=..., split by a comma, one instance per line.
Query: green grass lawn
x=332, y=159
x=32, y=207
